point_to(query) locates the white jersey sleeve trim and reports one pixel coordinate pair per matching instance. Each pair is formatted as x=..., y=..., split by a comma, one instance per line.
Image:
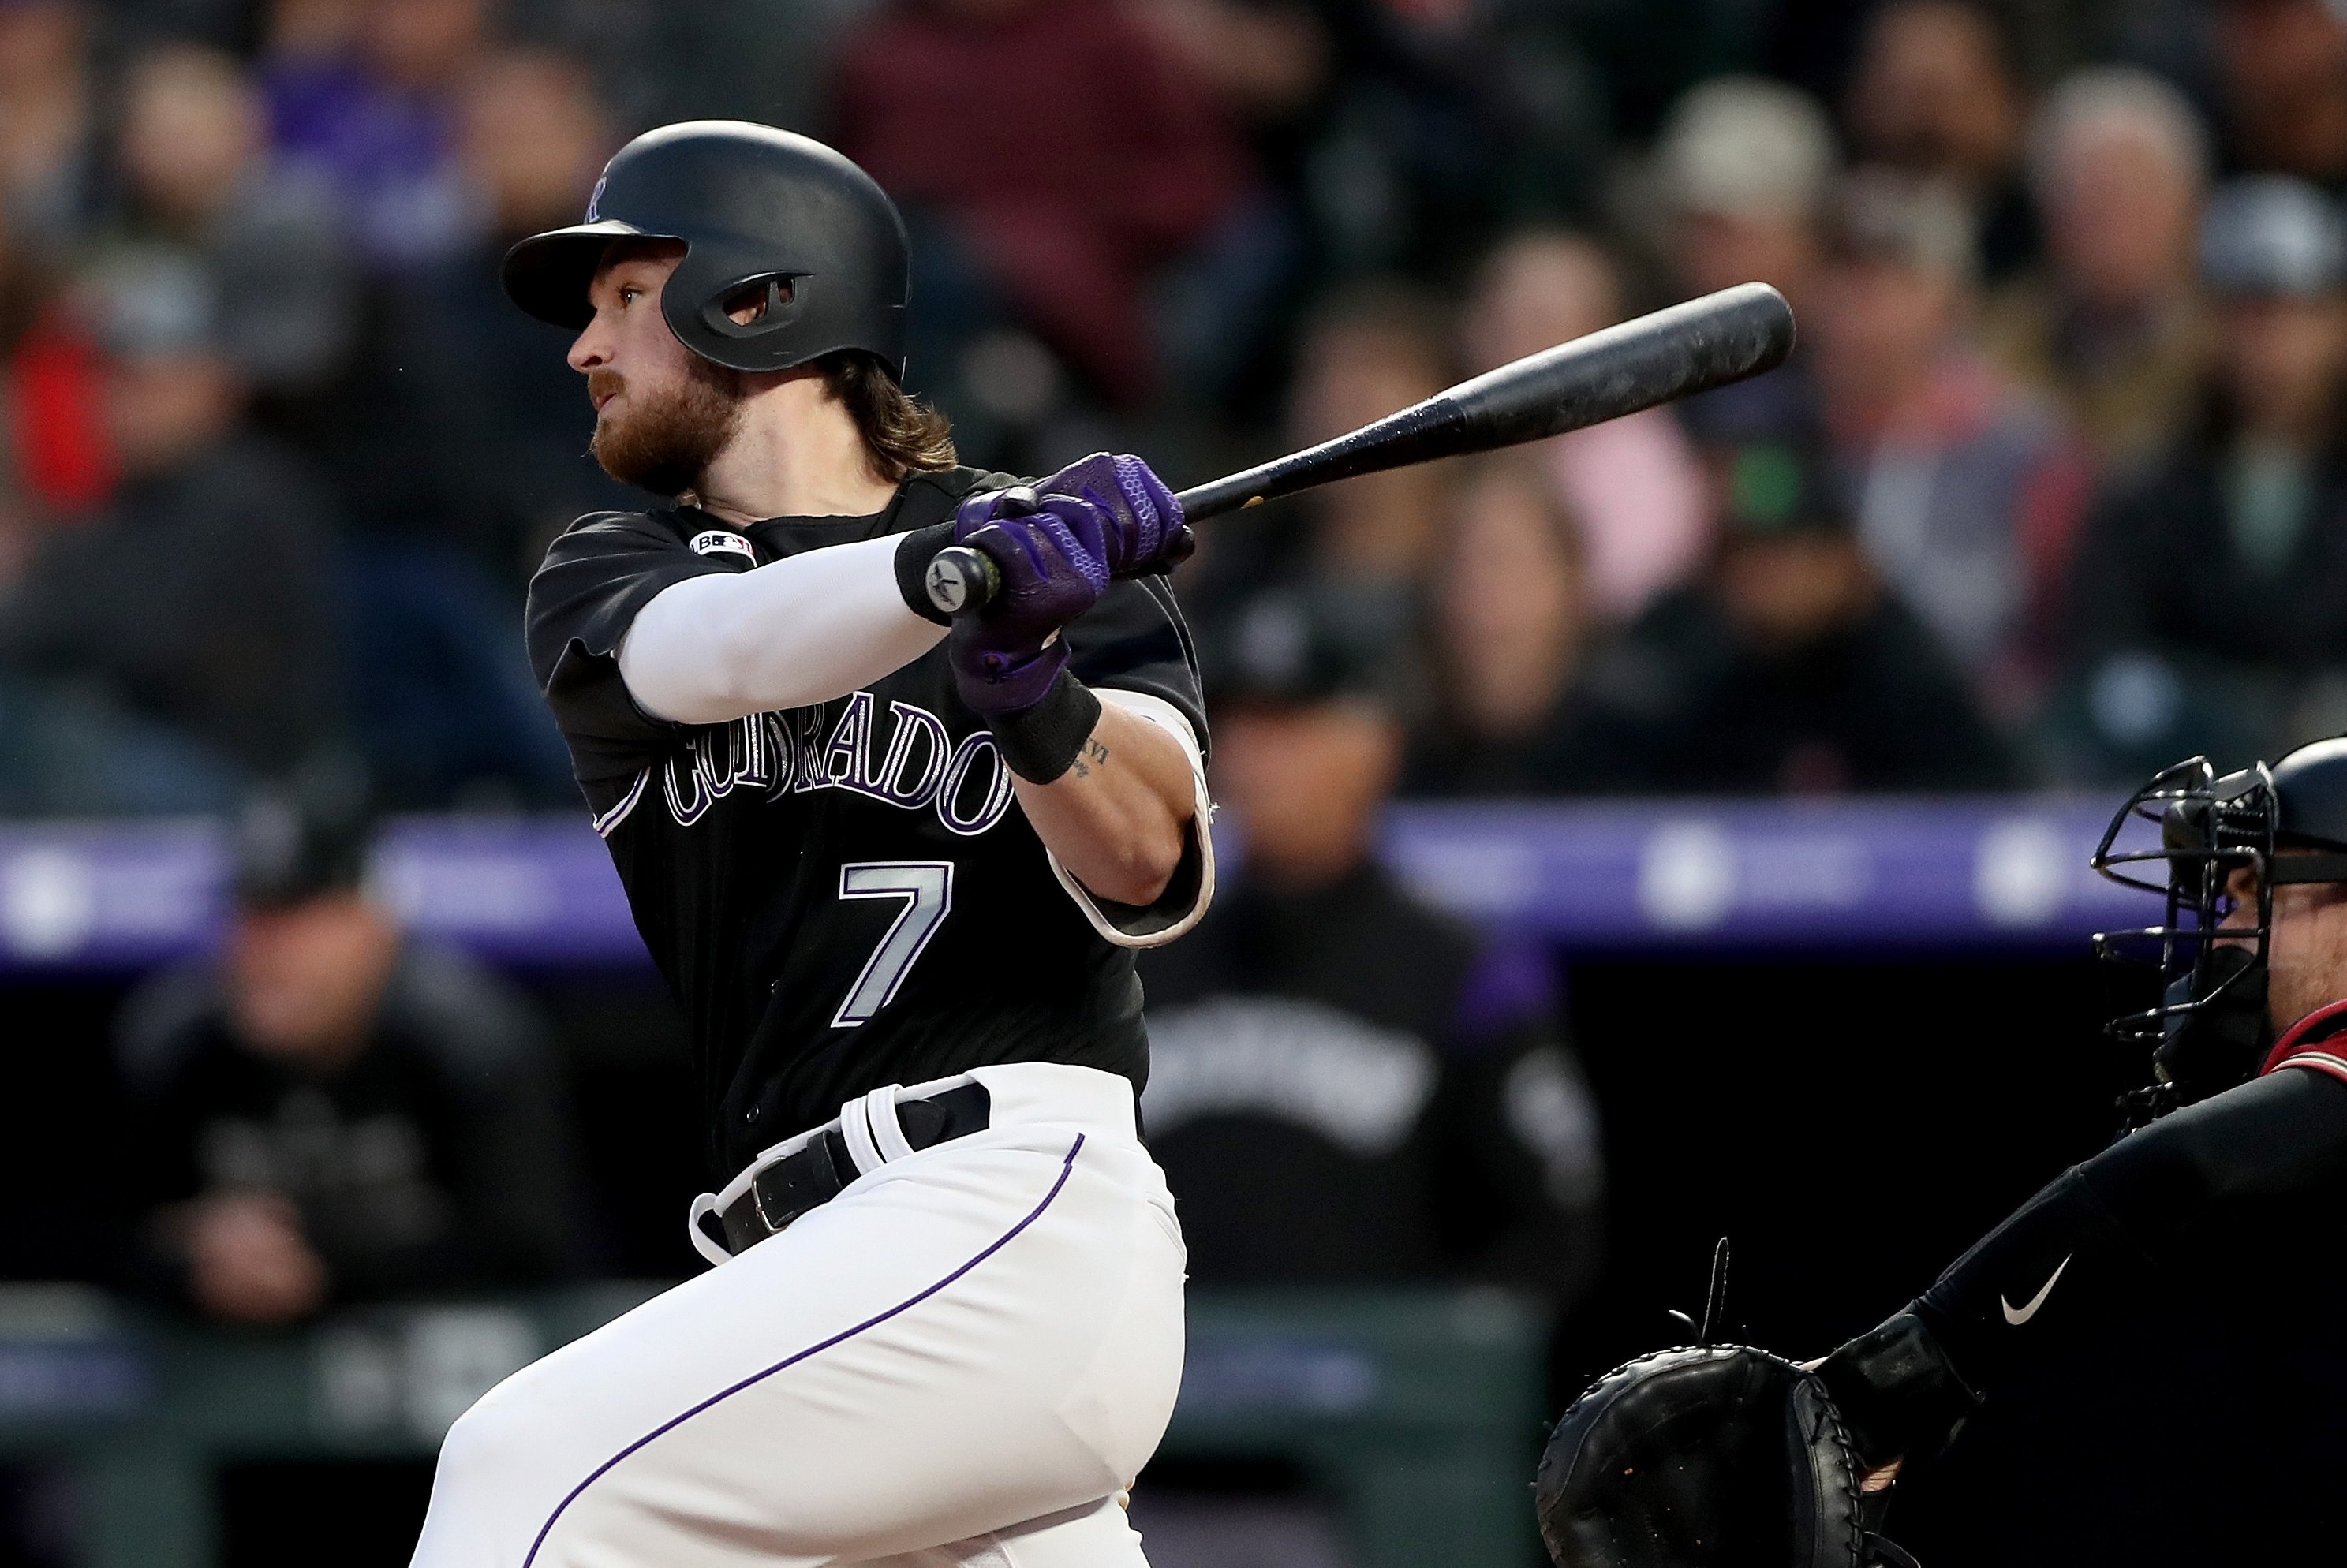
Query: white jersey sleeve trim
x=1166, y=717
x=789, y=634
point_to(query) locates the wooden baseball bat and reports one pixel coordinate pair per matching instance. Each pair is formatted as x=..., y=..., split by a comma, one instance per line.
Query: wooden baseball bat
x=1670, y=353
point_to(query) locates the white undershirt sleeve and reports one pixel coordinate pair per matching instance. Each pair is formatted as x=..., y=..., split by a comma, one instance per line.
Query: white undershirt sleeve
x=789, y=634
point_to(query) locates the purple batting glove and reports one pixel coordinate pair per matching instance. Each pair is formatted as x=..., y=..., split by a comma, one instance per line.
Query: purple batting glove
x=1142, y=521
x=1054, y=566
x=1121, y=510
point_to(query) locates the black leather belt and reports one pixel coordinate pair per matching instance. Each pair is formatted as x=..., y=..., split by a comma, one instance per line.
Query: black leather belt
x=810, y=1177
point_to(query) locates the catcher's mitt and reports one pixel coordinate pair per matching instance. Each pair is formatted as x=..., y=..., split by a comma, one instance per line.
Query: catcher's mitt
x=1706, y=1455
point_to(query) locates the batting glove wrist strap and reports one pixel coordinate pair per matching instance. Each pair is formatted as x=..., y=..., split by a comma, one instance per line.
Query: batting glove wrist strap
x=915, y=550
x=1898, y=1391
x=1041, y=743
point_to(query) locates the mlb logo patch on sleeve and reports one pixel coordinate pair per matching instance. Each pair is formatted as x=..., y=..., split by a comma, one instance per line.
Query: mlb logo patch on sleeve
x=717, y=541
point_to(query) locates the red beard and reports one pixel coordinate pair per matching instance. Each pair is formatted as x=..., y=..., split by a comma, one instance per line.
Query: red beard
x=664, y=445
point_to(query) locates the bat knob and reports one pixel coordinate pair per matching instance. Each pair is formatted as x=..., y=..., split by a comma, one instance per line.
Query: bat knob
x=960, y=581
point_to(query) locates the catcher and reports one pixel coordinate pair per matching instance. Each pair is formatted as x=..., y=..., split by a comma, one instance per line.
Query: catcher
x=1728, y=1454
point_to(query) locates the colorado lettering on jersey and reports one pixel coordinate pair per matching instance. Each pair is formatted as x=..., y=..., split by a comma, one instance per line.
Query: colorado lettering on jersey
x=794, y=750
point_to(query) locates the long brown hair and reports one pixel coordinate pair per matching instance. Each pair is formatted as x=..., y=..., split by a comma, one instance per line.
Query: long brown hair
x=903, y=433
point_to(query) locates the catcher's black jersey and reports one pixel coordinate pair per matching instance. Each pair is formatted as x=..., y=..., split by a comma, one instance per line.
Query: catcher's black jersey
x=848, y=895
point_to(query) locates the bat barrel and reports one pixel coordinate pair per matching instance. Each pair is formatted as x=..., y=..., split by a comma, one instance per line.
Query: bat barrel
x=1674, y=353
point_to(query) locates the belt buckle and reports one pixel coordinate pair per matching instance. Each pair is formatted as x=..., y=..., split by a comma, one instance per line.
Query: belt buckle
x=758, y=1202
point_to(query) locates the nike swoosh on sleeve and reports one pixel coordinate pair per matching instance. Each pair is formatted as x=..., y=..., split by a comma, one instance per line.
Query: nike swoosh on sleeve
x=2017, y=1315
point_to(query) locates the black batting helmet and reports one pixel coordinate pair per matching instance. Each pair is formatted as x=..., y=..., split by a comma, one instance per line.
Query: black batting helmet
x=752, y=206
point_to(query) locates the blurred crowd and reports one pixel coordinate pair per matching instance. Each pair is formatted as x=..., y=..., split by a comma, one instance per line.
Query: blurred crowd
x=2053, y=490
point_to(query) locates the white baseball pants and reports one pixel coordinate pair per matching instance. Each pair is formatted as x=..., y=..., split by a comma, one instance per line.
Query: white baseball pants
x=962, y=1359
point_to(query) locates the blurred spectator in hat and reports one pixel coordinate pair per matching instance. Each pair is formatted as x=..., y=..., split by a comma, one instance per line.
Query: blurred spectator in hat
x=1463, y=1143
x=1968, y=491
x=1631, y=484
x=365, y=94
x=1513, y=625
x=1743, y=171
x=196, y=171
x=2111, y=327
x=329, y=1111
x=1938, y=94
x=203, y=596
x=48, y=122
x=2202, y=583
x=2283, y=66
x=1790, y=668
x=69, y=747
x=1065, y=209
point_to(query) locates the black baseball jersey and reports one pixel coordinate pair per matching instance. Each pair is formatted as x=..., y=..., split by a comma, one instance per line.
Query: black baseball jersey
x=846, y=895
x=2161, y=1326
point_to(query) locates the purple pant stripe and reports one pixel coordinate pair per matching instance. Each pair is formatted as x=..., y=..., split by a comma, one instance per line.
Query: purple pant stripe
x=1066, y=1166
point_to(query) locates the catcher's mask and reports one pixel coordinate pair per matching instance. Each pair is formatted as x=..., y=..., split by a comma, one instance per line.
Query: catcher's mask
x=2286, y=824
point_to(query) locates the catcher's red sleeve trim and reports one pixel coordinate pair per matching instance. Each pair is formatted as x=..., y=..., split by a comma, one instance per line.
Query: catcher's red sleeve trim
x=2319, y=1061
x=2310, y=1042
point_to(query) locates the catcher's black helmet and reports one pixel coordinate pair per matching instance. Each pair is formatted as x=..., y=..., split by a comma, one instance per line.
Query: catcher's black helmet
x=2285, y=822
x=753, y=207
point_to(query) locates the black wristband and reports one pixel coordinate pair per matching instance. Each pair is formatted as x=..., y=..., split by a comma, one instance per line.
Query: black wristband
x=1897, y=1391
x=1041, y=743
x=915, y=550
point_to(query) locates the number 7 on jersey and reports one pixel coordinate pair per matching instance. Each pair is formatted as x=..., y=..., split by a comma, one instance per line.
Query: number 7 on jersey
x=927, y=888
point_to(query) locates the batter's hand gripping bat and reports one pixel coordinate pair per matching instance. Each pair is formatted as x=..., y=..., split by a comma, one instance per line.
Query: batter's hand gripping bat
x=1674, y=353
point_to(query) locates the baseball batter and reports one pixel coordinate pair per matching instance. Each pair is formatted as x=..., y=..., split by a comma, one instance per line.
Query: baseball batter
x=893, y=872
